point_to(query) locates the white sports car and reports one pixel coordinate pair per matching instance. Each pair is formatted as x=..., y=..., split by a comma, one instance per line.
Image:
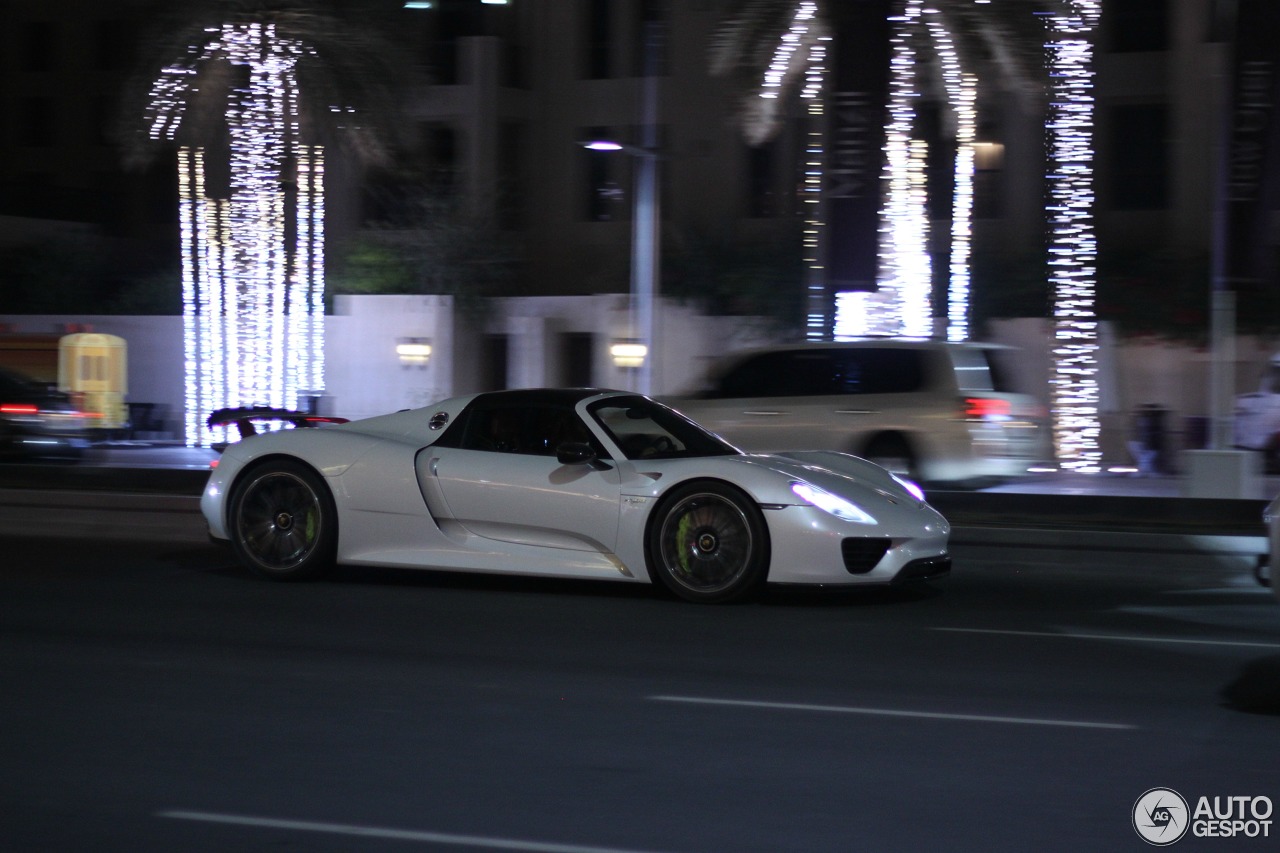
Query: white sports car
x=574, y=483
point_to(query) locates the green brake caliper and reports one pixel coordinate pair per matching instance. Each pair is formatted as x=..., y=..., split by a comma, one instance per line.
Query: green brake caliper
x=684, y=531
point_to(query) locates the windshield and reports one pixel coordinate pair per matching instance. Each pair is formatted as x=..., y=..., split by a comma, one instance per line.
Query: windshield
x=643, y=429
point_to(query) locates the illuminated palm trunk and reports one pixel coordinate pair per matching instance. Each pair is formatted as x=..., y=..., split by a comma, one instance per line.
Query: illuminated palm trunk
x=901, y=304
x=1073, y=247
x=253, y=263
x=962, y=95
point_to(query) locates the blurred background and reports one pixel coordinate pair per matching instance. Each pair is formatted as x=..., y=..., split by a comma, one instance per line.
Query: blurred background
x=354, y=207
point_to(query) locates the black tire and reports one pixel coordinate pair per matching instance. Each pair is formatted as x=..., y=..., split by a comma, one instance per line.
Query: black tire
x=708, y=543
x=893, y=453
x=282, y=521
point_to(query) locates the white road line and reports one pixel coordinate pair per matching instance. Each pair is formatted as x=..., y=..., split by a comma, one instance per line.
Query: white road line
x=387, y=833
x=889, y=712
x=1138, y=638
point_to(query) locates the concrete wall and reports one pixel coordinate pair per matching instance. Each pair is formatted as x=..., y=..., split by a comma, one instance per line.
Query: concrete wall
x=1134, y=373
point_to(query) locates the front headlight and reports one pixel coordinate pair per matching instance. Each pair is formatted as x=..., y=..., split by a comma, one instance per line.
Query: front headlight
x=912, y=489
x=834, y=504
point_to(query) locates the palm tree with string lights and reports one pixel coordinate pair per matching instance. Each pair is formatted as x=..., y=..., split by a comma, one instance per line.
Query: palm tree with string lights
x=254, y=95
x=1042, y=50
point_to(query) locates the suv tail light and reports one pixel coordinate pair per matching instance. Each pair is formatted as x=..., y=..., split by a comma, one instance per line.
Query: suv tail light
x=19, y=409
x=986, y=409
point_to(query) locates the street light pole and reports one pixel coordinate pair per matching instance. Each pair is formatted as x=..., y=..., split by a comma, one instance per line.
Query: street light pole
x=646, y=222
x=646, y=234
x=646, y=212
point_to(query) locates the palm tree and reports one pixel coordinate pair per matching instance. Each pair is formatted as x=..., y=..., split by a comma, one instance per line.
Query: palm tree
x=252, y=94
x=769, y=45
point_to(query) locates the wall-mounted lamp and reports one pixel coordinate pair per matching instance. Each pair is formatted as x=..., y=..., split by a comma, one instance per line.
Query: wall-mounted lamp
x=988, y=156
x=628, y=354
x=414, y=351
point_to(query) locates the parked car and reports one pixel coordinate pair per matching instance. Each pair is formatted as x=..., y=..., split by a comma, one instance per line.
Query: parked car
x=567, y=483
x=932, y=411
x=39, y=422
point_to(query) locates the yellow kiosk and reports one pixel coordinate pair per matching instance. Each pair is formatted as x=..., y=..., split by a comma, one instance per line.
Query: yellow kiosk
x=92, y=369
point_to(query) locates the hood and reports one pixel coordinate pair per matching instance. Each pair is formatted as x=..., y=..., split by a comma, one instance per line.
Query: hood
x=840, y=473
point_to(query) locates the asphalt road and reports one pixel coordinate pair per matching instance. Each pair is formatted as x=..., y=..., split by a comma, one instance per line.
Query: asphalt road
x=155, y=697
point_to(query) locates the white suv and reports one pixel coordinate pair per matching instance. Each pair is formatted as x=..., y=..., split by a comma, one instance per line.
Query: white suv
x=936, y=412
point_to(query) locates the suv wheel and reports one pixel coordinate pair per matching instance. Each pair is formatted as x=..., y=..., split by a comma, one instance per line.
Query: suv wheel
x=894, y=453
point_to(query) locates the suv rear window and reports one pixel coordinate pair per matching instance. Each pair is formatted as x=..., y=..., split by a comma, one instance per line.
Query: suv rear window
x=981, y=369
x=821, y=372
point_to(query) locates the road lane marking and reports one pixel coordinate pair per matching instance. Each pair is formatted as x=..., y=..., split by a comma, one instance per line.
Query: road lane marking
x=387, y=833
x=889, y=712
x=1138, y=638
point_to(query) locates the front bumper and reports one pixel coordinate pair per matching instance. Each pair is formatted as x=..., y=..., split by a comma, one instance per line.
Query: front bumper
x=808, y=546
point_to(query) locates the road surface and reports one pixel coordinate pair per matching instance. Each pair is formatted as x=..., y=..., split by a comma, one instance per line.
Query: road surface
x=157, y=697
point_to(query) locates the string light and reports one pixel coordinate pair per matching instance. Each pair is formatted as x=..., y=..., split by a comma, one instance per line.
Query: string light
x=962, y=89
x=901, y=305
x=803, y=49
x=1072, y=244
x=253, y=303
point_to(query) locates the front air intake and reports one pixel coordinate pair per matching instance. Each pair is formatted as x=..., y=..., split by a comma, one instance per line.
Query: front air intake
x=861, y=555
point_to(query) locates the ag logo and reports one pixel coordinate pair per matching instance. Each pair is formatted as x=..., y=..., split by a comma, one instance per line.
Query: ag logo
x=1161, y=816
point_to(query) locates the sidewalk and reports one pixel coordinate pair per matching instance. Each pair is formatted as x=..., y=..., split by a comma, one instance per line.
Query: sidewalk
x=1129, y=485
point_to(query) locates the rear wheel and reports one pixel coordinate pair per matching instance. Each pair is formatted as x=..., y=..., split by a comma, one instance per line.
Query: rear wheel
x=708, y=544
x=282, y=521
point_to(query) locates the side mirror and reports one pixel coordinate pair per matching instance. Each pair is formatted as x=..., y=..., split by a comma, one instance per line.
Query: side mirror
x=578, y=453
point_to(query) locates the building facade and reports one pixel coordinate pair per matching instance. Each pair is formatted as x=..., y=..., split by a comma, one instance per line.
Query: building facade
x=516, y=87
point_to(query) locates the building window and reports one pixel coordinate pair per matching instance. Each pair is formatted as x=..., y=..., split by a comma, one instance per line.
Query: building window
x=39, y=46
x=1139, y=154
x=439, y=144
x=762, y=196
x=576, y=350
x=988, y=180
x=597, y=42
x=493, y=362
x=38, y=126
x=111, y=46
x=510, y=176
x=1137, y=25
x=603, y=196
x=650, y=38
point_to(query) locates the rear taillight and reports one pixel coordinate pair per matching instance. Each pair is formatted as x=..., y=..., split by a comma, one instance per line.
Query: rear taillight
x=18, y=409
x=986, y=409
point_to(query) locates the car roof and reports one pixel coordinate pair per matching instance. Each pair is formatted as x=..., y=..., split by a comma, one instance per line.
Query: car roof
x=544, y=396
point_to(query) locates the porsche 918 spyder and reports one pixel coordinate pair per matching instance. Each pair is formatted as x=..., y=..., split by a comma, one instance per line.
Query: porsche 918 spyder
x=571, y=483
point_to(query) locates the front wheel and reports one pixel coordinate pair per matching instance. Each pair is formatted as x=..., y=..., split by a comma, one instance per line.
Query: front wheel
x=708, y=544
x=282, y=521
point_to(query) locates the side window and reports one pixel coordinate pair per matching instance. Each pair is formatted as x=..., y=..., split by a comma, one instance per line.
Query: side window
x=880, y=371
x=780, y=374
x=499, y=430
x=760, y=376
x=533, y=431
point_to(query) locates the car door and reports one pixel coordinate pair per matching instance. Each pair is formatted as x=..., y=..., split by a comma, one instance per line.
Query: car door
x=504, y=482
x=773, y=401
